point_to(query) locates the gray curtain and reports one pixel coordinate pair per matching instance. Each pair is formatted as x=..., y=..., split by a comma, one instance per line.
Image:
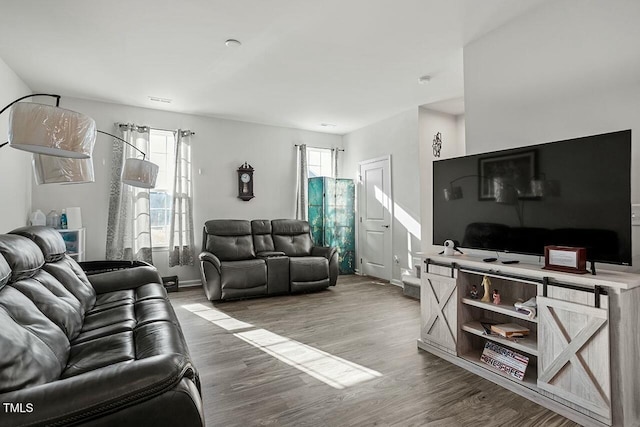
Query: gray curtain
x=181, y=246
x=129, y=220
x=334, y=162
x=301, y=188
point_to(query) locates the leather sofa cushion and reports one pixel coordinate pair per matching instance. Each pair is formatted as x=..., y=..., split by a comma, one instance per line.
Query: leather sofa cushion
x=5, y=272
x=114, y=328
x=23, y=256
x=69, y=273
x=243, y=274
x=125, y=302
x=48, y=240
x=262, y=240
x=108, y=317
x=231, y=248
x=261, y=226
x=229, y=239
x=308, y=269
x=100, y=352
x=159, y=338
x=290, y=226
x=227, y=227
x=293, y=246
x=64, y=312
x=292, y=237
x=154, y=310
x=33, y=349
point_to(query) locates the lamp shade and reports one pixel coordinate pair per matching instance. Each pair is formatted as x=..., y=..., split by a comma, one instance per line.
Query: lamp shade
x=139, y=173
x=452, y=193
x=60, y=170
x=505, y=192
x=54, y=131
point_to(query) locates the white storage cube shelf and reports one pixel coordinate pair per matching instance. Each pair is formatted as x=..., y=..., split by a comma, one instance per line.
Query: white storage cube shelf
x=75, y=242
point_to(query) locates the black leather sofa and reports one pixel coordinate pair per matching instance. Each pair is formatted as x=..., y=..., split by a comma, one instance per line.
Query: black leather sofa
x=99, y=350
x=242, y=259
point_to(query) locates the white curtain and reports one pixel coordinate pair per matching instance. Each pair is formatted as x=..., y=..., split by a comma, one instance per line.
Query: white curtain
x=334, y=162
x=302, y=181
x=129, y=221
x=181, y=247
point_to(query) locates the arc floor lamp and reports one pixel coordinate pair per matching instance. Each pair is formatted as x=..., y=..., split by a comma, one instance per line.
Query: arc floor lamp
x=62, y=142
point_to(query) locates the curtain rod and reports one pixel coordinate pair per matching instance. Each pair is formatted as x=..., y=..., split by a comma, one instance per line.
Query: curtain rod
x=339, y=149
x=152, y=127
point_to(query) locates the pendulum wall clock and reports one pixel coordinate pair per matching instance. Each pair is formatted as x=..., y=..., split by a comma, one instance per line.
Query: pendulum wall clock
x=245, y=182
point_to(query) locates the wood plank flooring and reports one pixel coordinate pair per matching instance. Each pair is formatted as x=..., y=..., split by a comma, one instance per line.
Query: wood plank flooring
x=362, y=320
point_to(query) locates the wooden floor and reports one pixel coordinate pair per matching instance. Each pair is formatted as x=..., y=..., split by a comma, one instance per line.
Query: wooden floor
x=362, y=321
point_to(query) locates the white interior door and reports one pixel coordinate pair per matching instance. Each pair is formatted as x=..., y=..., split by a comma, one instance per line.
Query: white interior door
x=375, y=218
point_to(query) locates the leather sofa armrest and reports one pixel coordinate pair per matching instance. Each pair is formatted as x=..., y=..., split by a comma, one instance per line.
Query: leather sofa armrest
x=87, y=396
x=129, y=278
x=323, y=251
x=211, y=275
x=209, y=257
x=268, y=254
x=103, y=266
x=331, y=254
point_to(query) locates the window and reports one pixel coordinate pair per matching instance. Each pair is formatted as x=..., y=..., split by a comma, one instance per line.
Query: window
x=319, y=162
x=162, y=147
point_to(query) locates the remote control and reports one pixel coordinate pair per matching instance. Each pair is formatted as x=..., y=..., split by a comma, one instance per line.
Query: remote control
x=490, y=259
x=511, y=261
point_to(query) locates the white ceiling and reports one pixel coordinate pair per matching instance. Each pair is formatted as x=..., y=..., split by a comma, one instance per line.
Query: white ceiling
x=301, y=63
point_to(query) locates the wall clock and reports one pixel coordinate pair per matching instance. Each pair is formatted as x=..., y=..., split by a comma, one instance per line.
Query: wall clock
x=245, y=182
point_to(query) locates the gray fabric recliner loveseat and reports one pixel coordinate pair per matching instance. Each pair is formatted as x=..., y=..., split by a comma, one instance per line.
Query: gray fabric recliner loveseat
x=242, y=259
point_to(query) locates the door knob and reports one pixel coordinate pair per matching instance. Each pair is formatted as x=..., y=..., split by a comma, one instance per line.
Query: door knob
x=385, y=226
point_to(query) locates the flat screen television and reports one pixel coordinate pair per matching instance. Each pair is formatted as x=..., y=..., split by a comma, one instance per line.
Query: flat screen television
x=568, y=193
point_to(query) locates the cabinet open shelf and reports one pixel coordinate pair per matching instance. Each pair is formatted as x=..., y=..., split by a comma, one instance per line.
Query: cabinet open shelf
x=528, y=345
x=505, y=308
x=530, y=375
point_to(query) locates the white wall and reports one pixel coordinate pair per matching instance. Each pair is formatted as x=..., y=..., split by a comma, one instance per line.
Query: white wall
x=570, y=68
x=453, y=142
x=219, y=147
x=15, y=165
x=397, y=136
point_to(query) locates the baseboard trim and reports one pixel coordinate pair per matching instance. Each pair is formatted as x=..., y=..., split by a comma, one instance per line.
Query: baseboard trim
x=190, y=283
x=396, y=282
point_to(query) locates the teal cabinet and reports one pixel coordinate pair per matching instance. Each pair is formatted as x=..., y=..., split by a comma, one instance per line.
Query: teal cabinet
x=332, y=217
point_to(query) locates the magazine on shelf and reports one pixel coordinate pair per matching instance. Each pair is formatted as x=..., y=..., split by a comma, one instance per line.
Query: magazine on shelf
x=505, y=360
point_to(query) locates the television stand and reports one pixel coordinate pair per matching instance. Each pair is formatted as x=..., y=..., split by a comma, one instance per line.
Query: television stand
x=583, y=345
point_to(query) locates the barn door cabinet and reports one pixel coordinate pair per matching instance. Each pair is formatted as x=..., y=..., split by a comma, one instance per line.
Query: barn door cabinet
x=439, y=314
x=583, y=346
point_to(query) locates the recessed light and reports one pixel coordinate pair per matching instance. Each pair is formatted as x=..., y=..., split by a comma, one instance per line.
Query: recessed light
x=327, y=125
x=233, y=43
x=424, y=80
x=158, y=99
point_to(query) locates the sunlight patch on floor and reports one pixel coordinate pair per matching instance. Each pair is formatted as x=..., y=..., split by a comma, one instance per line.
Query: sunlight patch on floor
x=217, y=317
x=331, y=370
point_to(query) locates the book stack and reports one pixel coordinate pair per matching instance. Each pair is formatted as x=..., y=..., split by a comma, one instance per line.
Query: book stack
x=505, y=360
x=510, y=330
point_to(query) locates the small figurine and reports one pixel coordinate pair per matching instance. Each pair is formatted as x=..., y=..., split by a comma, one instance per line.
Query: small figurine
x=496, y=297
x=486, y=284
x=474, y=292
